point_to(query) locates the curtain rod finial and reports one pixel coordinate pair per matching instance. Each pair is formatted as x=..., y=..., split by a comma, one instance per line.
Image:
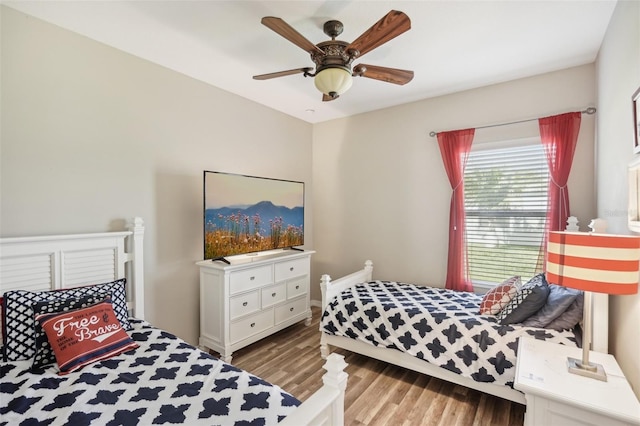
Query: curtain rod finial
x=432, y=134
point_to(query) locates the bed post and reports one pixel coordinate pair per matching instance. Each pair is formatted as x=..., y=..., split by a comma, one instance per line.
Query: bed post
x=368, y=268
x=336, y=377
x=326, y=406
x=325, y=280
x=332, y=289
x=135, y=248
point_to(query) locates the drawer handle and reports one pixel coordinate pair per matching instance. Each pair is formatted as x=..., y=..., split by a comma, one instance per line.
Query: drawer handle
x=245, y=303
x=291, y=269
x=290, y=309
x=252, y=278
x=297, y=287
x=253, y=324
x=273, y=295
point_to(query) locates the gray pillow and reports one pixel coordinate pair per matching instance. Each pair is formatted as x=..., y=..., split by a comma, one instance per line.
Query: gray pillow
x=558, y=301
x=527, y=302
x=569, y=318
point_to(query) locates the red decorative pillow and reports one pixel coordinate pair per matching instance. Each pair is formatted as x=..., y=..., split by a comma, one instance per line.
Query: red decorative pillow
x=498, y=297
x=83, y=336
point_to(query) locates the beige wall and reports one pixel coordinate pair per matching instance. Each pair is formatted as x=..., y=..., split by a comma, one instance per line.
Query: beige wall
x=618, y=77
x=91, y=135
x=381, y=191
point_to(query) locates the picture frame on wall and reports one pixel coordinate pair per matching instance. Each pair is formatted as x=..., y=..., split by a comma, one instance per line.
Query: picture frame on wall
x=636, y=120
x=633, y=195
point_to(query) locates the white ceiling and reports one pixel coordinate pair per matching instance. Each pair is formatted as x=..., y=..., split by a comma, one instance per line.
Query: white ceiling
x=452, y=45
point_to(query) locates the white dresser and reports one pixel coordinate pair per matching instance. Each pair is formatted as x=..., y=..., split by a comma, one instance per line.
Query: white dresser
x=247, y=301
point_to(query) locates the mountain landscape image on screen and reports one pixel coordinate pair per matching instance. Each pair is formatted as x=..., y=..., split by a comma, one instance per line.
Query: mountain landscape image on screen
x=250, y=228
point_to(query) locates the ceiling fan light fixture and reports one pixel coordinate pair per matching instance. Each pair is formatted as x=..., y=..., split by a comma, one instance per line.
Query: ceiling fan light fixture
x=333, y=81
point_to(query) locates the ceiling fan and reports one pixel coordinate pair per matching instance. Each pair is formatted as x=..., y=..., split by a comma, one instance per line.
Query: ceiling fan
x=333, y=58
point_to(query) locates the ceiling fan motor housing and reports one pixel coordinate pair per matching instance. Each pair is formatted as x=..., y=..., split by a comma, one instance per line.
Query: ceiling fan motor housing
x=335, y=56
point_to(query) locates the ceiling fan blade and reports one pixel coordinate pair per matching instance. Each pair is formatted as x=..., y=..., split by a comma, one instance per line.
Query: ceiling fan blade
x=390, y=75
x=288, y=32
x=282, y=73
x=390, y=26
x=327, y=98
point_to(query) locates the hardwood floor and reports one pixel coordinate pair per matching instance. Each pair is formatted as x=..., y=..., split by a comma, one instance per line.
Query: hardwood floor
x=377, y=393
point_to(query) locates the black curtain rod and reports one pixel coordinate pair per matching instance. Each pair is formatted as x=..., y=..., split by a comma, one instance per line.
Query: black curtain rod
x=589, y=110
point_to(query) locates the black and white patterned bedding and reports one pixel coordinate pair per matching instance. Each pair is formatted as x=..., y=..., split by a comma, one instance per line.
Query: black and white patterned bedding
x=440, y=326
x=164, y=381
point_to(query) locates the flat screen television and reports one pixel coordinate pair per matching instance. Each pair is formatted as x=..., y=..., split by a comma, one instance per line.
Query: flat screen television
x=250, y=214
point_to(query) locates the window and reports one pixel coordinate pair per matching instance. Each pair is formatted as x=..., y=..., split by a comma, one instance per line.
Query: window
x=505, y=205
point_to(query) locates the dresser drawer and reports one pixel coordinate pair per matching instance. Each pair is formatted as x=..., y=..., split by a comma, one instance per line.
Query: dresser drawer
x=249, y=279
x=292, y=268
x=249, y=326
x=244, y=304
x=297, y=287
x=290, y=310
x=273, y=295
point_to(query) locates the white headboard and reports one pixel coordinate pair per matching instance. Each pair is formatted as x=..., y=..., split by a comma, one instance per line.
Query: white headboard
x=62, y=261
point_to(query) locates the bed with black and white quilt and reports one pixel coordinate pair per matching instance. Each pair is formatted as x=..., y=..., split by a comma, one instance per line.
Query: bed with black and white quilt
x=162, y=381
x=439, y=326
x=76, y=349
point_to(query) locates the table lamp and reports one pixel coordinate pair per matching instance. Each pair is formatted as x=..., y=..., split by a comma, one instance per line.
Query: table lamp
x=601, y=263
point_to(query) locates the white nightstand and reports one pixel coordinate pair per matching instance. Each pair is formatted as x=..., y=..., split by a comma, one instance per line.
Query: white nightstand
x=556, y=397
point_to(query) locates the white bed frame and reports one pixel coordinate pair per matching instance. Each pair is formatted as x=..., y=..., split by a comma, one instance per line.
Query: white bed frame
x=64, y=261
x=332, y=288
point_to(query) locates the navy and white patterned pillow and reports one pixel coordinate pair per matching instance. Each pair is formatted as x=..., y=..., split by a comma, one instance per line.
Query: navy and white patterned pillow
x=526, y=302
x=19, y=320
x=44, y=353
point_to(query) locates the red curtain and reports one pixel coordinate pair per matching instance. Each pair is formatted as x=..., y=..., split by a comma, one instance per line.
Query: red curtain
x=559, y=135
x=455, y=147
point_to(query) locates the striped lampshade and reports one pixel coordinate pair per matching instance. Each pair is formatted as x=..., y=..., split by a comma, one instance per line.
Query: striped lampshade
x=602, y=263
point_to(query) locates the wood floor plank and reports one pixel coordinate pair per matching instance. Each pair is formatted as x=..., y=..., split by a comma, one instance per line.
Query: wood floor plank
x=437, y=409
x=415, y=405
x=484, y=413
x=386, y=415
x=377, y=393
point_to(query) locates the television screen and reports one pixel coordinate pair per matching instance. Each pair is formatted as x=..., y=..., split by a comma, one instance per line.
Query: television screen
x=246, y=214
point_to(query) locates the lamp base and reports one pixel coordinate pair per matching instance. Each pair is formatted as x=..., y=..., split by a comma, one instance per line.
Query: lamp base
x=592, y=370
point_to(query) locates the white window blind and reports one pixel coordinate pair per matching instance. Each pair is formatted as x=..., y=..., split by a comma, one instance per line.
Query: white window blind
x=505, y=205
